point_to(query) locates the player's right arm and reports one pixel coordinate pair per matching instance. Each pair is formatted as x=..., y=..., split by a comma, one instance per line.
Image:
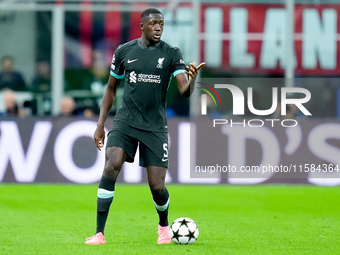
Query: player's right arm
x=116, y=74
x=105, y=108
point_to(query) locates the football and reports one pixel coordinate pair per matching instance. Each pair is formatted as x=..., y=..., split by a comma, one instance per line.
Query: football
x=184, y=231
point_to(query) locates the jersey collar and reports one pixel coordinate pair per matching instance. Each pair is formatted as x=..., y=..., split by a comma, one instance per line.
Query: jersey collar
x=157, y=45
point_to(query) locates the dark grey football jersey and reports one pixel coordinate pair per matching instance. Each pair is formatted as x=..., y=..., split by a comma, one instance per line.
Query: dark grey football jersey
x=147, y=72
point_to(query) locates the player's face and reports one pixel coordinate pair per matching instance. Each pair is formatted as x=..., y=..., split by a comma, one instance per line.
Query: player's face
x=153, y=27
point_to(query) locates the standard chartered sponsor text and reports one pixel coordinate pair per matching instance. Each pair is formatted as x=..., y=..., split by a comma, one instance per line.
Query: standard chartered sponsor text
x=151, y=78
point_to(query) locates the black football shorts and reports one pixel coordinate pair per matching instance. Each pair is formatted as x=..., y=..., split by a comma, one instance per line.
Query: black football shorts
x=153, y=146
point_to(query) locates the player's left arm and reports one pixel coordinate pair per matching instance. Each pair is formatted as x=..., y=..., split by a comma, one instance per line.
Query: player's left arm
x=186, y=81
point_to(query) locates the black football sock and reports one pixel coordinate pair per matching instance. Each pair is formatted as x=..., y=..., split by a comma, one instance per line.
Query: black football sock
x=161, y=200
x=104, y=199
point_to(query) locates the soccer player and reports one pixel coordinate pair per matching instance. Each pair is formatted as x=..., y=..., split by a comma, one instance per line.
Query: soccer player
x=147, y=64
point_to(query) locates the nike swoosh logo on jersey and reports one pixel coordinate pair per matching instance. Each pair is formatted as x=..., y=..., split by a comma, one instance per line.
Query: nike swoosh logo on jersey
x=133, y=60
x=165, y=159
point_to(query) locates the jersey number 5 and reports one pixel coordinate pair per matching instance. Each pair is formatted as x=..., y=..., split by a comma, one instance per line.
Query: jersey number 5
x=166, y=152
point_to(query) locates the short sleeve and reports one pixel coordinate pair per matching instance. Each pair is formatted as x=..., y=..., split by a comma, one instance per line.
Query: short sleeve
x=178, y=64
x=117, y=68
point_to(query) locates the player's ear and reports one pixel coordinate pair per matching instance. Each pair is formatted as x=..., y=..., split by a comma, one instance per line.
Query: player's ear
x=141, y=25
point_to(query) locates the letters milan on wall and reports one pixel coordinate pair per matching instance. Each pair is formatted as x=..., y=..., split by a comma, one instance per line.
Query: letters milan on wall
x=62, y=151
x=241, y=37
x=254, y=35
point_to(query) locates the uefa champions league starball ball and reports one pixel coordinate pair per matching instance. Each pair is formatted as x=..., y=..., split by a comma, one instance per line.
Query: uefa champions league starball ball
x=184, y=231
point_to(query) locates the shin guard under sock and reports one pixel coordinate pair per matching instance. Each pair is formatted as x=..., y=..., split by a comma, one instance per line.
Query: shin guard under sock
x=104, y=199
x=161, y=200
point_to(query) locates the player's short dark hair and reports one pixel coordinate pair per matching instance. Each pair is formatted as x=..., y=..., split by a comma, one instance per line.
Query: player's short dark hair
x=149, y=11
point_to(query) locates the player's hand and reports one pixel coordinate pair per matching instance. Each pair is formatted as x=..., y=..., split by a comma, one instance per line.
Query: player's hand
x=192, y=70
x=99, y=137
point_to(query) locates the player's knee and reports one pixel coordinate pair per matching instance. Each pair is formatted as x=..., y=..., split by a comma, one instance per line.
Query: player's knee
x=112, y=168
x=156, y=181
x=157, y=186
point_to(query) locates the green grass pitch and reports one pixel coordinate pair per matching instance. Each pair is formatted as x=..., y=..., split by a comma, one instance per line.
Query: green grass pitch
x=264, y=219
